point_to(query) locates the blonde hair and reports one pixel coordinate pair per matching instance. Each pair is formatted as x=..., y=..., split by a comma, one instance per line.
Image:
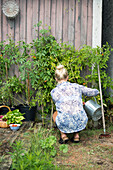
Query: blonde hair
x=61, y=73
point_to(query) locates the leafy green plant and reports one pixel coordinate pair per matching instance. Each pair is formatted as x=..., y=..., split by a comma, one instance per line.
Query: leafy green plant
x=34, y=155
x=11, y=87
x=63, y=148
x=14, y=117
x=48, y=144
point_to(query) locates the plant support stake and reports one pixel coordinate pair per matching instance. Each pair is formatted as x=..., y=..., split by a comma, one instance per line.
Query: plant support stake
x=103, y=119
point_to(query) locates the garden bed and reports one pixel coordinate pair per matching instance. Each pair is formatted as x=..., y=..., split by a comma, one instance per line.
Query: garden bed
x=90, y=153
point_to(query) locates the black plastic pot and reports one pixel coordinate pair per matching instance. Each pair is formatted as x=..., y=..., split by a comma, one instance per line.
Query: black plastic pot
x=29, y=112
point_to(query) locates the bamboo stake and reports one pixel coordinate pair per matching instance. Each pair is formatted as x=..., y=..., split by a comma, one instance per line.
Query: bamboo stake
x=103, y=119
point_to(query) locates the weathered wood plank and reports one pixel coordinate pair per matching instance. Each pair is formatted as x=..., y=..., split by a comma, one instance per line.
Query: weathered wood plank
x=35, y=18
x=29, y=20
x=77, y=24
x=89, y=22
x=10, y=27
x=83, y=22
x=71, y=21
x=22, y=20
x=53, y=17
x=5, y=26
x=17, y=36
x=42, y=13
x=47, y=12
x=17, y=26
x=65, y=20
x=59, y=21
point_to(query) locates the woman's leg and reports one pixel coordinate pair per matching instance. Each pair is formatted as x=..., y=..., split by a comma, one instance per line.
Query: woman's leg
x=63, y=138
x=76, y=137
x=54, y=116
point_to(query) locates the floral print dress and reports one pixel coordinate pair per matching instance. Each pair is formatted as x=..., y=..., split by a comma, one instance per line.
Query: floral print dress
x=68, y=100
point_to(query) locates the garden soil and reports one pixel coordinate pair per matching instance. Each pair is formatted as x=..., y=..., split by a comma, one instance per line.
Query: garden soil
x=91, y=153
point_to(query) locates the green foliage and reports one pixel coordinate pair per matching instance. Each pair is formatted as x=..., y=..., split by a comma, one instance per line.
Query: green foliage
x=36, y=155
x=36, y=63
x=9, y=88
x=64, y=148
x=14, y=117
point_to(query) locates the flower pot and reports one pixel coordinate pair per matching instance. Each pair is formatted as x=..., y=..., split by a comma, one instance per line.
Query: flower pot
x=14, y=126
x=29, y=112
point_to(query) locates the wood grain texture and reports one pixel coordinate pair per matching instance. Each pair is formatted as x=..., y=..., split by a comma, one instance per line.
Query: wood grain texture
x=65, y=20
x=53, y=17
x=29, y=20
x=83, y=22
x=35, y=18
x=23, y=20
x=4, y=26
x=89, y=22
x=42, y=13
x=70, y=20
x=59, y=21
x=77, y=25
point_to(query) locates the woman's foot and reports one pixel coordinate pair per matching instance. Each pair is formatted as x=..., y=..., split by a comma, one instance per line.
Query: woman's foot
x=63, y=139
x=76, y=138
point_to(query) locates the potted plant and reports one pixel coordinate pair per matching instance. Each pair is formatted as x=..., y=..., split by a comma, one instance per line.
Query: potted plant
x=27, y=105
x=14, y=119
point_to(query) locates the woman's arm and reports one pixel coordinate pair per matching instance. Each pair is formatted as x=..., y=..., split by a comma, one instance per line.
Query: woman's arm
x=89, y=91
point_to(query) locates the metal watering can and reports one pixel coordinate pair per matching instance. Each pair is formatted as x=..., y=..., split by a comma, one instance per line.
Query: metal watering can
x=93, y=110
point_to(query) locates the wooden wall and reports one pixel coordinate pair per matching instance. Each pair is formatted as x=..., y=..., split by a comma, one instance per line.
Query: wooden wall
x=70, y=20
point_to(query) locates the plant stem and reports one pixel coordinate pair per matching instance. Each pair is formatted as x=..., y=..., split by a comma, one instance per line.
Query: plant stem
x=28, y=89
x=42, y=107
x=51, y=113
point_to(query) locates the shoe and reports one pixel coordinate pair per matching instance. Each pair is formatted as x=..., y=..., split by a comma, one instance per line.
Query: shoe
x=63, y=140
x=76, y=140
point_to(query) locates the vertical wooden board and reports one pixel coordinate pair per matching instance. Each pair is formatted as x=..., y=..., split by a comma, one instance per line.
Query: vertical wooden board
x=42, y=13
x=10, y=23
x=84, y=22
x=5, y=26
x=17, y=35
x=77, y=24
x=0, y=20
x=35, y=18
x=65, y=20
x=29, y=20
x=17, y=25
x=59, y=21
x=71, y=22
x=11, y=34
x=53, y=17
x=89, y=22
x=47, y=12
x=23, y=20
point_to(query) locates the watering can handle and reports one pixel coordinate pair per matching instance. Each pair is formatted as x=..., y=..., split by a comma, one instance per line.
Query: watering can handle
x=95, y=100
